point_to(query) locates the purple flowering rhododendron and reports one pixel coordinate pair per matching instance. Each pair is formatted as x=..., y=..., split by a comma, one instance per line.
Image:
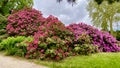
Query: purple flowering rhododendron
x=105, y=41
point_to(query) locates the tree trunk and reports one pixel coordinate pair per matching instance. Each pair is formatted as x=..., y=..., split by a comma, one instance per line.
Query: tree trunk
x=111, y=26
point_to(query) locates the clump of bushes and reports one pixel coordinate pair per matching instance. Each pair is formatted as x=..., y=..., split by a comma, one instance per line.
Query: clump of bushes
x=104, y=41
x=15, y=45
x=54, y=41
x=51, y=39
x=24, y=22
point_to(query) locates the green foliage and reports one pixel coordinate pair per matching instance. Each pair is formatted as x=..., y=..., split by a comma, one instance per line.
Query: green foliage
x=3, y=37
x=2, y=31
x=118, y=35
x=84, y=45
x=109, y=1
x=104, y=15
x=118, y=43
x=49, y=48
x=97, y=1
x=22, y=46
x=85, y=49
x=15, y=45
x=3, y=22
x=6, y=6
x=84, y=39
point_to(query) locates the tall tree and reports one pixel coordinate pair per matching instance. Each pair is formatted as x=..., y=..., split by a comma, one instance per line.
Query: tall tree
x=7, y=5
x=98, y=1
x=109, y=1
x=104, y=15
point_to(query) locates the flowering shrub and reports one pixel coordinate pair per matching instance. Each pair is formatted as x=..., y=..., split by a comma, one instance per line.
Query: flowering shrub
x=51, y=48
x=24, y=22
x=83, y=39
x=52, y=41
x=105, y=41
x=53, y=27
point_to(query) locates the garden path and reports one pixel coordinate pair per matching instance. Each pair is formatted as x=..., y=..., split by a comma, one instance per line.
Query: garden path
x=9, y=62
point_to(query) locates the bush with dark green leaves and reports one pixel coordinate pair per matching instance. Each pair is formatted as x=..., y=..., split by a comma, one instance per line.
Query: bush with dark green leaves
x=3, y=22
x=118, y=35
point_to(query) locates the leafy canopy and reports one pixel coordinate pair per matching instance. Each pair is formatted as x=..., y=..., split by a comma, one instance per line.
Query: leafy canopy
x=98, y=1
x=104, y=15
x=6, y=6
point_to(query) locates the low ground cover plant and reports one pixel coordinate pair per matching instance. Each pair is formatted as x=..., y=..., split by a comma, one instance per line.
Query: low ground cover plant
x=15, y=45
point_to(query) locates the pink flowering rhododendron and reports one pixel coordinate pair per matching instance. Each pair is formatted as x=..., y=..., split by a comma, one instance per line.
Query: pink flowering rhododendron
x=53, y=40
x=24, y=22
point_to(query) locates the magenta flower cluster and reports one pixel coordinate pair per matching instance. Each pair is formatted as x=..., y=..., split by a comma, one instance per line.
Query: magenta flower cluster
x=105, y=41
x=24, y=22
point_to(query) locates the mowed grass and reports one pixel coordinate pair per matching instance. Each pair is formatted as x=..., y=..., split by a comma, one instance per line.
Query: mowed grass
x=99, y=60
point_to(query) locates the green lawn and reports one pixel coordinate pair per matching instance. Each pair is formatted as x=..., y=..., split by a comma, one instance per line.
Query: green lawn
x=99, y=60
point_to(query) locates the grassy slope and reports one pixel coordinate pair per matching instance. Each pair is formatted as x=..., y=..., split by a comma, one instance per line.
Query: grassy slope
x=100, y=60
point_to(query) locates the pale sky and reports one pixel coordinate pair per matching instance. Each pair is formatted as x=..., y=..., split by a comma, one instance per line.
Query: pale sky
x=65, y=11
